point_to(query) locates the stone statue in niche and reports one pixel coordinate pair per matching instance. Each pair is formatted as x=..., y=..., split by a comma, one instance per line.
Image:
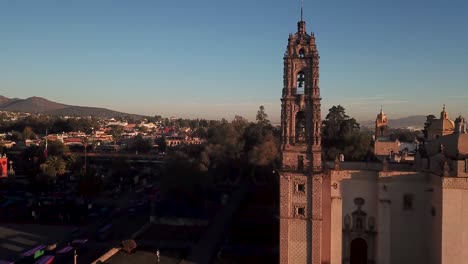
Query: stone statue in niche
x=337, y=163
x=446, y=169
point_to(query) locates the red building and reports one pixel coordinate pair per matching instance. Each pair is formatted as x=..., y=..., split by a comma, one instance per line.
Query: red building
x=3, y=166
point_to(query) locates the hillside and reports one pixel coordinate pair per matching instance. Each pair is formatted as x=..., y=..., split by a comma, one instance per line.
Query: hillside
x=3, y=99
x=89, y=111
x=39, y=105
x=33, y=105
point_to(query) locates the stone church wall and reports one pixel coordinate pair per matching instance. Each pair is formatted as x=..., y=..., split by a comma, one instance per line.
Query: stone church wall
x=410, y=221
x=454, y=220
x=410, y=217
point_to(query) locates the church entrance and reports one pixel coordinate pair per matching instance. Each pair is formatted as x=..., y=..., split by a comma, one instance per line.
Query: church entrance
x=358, y=251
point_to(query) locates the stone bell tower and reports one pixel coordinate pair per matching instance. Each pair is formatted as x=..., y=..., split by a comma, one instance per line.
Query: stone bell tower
x=301, y=177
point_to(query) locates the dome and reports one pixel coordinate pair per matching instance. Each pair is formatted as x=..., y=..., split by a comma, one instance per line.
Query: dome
x=442, y=125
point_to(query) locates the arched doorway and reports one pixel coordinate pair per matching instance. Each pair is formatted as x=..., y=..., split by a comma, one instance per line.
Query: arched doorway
x=358, y=251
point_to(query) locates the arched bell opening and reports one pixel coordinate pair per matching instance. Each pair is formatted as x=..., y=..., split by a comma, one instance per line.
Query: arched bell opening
x=300, y=82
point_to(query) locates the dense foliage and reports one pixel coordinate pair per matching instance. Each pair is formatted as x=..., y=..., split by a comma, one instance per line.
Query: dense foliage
x=341, y=134
x=235, y=151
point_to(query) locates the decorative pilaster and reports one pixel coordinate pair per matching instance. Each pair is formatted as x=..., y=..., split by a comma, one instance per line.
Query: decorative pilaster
x=336, y=228
x=384, y=226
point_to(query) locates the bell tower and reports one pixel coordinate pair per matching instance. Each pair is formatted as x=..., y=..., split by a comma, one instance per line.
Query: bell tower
x=301, y=176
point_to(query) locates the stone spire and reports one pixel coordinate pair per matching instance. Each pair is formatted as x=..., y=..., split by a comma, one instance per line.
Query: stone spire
x=301, y=25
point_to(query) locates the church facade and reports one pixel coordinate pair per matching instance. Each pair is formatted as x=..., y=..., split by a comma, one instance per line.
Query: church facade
x=358, y=212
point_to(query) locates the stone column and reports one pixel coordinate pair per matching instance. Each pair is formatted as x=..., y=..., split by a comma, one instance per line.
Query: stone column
x=383, y=225
x=316, y=205
x=336, y=229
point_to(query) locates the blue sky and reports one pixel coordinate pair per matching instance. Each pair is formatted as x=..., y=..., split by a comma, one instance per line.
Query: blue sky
x=214, y=59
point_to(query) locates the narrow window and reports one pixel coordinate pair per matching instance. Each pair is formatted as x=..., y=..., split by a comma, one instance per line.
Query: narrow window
x=300, y=163
x=301, y=187
x=408, y=202
x=301, y=211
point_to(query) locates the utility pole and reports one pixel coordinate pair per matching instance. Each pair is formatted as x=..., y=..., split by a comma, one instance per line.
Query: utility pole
x=75, y=256
x=85, y=143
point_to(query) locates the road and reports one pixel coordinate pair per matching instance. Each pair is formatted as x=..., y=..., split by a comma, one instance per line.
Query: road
x=124, y=225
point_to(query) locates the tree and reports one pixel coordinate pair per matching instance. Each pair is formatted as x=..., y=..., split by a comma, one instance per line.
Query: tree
x=239, y=123
x=74, y=163
x=265, y=152
x=141, y=144
x=337, y=123
x=341, y=135
x=161, y=142
x=404, y=135
x=427, y=124
x=57, y=148
x=262, y=117
x=28, y=133
x=53, y=166
x=116, y=132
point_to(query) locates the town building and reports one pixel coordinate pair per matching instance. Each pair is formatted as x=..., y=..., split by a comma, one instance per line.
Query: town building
x=384, y=146
x=3, y=166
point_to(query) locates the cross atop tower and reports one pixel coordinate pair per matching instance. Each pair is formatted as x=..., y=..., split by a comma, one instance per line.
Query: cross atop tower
x=302, y=7
x=301, y=25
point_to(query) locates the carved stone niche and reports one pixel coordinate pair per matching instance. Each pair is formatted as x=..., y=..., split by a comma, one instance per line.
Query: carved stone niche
x=300, y=211
x=299, y=188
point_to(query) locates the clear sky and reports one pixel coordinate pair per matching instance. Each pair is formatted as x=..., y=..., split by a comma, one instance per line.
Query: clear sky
x=218, y=58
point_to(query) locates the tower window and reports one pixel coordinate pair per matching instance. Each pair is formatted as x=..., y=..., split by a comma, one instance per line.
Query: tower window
x=300, y=82
x=300, y=187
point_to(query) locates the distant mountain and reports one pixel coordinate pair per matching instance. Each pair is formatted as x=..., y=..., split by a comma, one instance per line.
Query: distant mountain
x=39, y=105
x=33, y=105
x=416, y=121
x=3, y=99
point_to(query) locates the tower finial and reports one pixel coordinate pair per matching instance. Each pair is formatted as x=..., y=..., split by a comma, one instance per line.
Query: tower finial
x=301, y=28
x=302, y=7
x=381, y=108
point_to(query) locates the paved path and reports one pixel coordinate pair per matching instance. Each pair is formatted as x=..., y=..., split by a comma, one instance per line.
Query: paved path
x=17, y=238
x=205, y=249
